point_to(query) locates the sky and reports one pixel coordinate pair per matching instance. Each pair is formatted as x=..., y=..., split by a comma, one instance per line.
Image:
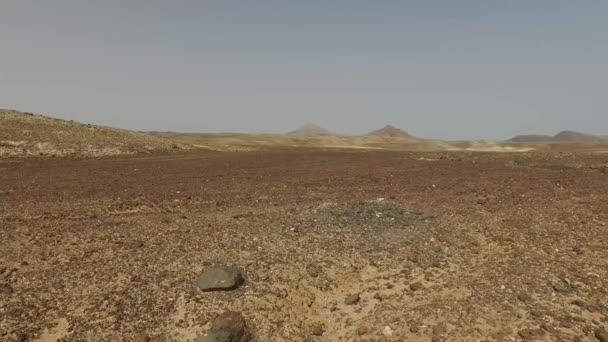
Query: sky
x=467, y=69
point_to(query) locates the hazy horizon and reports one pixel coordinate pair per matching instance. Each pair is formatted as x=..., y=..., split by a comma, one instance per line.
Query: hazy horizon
x=437, y=69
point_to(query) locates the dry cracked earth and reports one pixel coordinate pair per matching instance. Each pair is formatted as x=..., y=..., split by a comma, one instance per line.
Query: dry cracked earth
x=333, y=246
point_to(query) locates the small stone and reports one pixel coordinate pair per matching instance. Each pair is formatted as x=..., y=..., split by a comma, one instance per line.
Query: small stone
x=416, y=286
x=550, y=329
x=601, y=334
x=531, y=334
x=580, y=303
x=524, y=297
x=387, y=331
x=561, y=287
x=136, y=244
x=220, y=278
x=352, y=299
x=6, y=290
x=227, y=327
x=537, y=313
x=362, y=330
x=318, y=330
x=313, y=271
x=440, y=329
x=141, y=338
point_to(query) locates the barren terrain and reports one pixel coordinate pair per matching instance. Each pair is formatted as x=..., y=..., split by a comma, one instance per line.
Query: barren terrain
x=27, y=134
x=334, y=246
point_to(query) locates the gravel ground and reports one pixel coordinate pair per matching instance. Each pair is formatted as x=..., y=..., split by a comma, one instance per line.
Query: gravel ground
x=333, y=246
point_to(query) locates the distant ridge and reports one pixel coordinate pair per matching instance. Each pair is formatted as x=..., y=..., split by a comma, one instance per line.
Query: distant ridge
x=311, y=129
x=392, y=132
x=571, y=136
x=531, y=138
x=561, y=137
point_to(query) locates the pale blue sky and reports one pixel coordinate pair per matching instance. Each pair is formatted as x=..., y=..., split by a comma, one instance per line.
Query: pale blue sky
x=446, y=69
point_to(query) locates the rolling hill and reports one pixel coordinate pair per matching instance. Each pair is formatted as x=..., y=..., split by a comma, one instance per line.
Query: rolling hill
x=27, y=134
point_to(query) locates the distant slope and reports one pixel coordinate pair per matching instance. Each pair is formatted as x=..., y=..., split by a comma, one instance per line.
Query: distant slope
x=531, y=138
x=561, y=137
x=391, y=132
x=571, y=136
x=26, y=134
x=310, y=129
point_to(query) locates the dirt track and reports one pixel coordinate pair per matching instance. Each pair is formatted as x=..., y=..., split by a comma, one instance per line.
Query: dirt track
x=464, y=247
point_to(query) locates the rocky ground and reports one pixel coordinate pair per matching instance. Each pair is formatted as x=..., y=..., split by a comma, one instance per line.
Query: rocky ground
x=305, y=246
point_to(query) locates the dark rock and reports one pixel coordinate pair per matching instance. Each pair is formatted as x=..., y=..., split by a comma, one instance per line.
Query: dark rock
x=416, y=286
x=550, y=329
x=318, y=330
x=313, y=271
x=601, y=334
x=561, y=287
x=531, y=334
x=220, y=278
x=362, y=330
x=580, y=303
x=136, y=244
x=524, y=297
x=537, y=313
x=440, y=329
x=141, y=338
x=227, y=327
x=6, y=290
x=352, y=299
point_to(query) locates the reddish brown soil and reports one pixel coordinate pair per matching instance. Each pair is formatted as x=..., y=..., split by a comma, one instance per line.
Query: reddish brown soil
x=465, y=247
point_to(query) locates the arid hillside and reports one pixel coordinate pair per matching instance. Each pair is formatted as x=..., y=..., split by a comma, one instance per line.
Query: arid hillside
x=27, y=134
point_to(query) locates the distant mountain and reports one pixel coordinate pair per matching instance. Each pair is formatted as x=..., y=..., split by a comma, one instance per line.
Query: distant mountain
x=531, y=138
x=561, y=137
x=311, y=129
x=392, y=132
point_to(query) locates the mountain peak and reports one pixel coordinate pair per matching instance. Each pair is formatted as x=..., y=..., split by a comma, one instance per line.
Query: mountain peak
x=391, y=131
x=311, y=129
